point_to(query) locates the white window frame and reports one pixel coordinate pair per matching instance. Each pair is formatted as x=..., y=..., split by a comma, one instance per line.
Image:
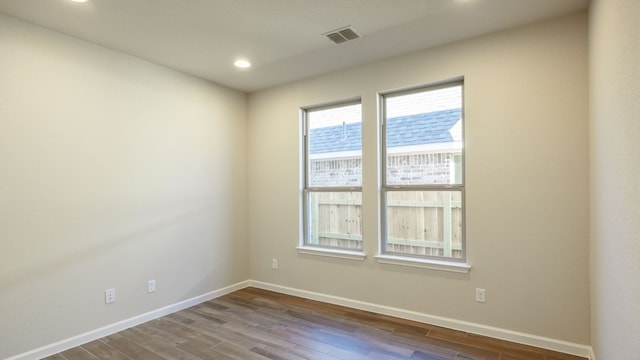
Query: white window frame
x=405, y=259
x=305, y=246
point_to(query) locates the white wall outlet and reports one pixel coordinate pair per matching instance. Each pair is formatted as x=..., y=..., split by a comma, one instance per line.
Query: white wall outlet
x=274, y=264
x=480, y=295
x=109, y=296
x=151, y=286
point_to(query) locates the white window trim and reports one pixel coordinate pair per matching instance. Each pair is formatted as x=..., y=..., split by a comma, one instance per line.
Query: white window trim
x=304, y=246
x=331, y=252
x=432, y=264
x=393, y=258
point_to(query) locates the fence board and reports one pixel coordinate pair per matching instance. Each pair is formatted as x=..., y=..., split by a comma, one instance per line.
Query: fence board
x=418, y=222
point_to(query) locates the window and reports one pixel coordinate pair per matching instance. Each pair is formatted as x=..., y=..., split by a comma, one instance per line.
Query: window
x=422, y=193
x=332, y=194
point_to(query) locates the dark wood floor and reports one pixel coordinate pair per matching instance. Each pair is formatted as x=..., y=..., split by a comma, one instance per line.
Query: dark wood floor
x=255, y=324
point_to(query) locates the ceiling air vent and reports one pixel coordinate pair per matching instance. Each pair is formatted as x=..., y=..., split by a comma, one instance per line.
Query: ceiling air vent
x=342, y=35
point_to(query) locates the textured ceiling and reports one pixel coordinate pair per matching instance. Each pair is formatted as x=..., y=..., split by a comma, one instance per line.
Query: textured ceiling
x=282, y=38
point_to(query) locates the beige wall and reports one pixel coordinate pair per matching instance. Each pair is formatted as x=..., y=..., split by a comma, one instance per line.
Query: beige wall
x=615, y=178
x=527, y=183
x=113, y=171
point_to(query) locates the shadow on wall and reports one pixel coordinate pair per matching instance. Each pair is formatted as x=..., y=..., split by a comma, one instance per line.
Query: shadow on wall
x=11, y=279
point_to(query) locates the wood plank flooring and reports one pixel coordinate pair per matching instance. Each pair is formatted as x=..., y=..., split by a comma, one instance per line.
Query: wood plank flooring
x=255, y=324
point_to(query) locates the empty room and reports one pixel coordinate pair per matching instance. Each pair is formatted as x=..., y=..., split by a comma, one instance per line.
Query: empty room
x=320, y=179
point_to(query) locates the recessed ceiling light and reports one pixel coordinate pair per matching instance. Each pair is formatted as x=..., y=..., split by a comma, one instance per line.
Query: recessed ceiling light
x=243, y=64
x=79, y=1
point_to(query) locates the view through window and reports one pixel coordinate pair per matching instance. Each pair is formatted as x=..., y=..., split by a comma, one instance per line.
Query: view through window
x=333, y=177
x=423, y=183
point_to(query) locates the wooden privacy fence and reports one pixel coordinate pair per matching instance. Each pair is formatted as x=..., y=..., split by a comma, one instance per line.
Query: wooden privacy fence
x=418, y=222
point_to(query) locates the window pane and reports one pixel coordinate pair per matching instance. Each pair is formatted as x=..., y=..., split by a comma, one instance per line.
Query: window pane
x=335, y=146
x=427, y=223
x=335, y=219
x=424, y=137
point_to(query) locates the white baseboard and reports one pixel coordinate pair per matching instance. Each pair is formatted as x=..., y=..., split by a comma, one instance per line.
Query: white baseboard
x=125, y=324
x=498, y=333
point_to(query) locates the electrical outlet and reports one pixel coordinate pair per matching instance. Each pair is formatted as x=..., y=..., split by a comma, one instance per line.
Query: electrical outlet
x=151, y=286
x=274, y=264
x=480, y=295
x=109, y=296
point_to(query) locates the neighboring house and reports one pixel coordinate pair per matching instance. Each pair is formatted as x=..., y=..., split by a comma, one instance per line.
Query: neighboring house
x=422, y=148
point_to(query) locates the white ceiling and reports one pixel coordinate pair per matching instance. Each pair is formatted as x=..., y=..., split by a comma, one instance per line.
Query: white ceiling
x=282, y=38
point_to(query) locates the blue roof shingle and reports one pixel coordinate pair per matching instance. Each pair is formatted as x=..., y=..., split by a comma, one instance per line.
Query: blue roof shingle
x=426, y=128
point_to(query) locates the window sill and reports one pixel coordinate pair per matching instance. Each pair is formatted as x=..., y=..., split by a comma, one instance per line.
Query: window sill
x=335, y=253
x=441, y=265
